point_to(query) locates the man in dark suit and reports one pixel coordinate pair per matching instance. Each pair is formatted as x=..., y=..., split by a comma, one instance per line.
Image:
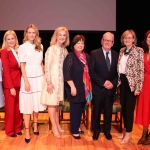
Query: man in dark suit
x=103, y=72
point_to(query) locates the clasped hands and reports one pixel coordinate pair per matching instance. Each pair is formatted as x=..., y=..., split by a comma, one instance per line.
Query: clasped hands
x=108, y=85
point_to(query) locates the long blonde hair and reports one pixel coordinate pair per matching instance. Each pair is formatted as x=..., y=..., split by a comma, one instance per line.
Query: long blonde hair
x=5, y=44
x=37, y=40
x=54, y=37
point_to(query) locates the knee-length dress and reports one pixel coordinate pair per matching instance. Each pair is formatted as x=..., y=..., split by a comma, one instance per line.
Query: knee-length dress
x=54, y=58
x=30, y=101
x=1, y=90
x=143, y=101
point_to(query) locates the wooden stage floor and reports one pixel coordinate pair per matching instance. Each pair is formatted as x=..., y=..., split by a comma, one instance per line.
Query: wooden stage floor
x=46, y=140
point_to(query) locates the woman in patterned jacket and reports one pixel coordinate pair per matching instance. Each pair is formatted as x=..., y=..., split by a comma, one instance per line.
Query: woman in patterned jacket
x=131, y=72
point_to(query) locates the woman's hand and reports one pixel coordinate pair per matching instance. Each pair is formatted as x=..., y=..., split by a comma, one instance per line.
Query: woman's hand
x=136, y=93
x=27, y=86
x=73, y=91
x=88, y=104
x=13, y=92
x=50, y=88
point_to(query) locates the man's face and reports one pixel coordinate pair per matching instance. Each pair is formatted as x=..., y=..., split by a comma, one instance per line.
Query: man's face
x=107, y=41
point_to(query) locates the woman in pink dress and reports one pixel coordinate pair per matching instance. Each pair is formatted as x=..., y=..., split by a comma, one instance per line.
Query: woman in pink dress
x=143, y=102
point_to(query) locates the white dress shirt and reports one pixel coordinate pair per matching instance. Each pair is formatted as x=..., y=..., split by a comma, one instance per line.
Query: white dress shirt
x=109, y=54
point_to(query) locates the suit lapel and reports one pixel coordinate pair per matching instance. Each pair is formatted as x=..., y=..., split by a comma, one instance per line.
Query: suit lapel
x=12, y=58
x=102, y=59
x=112, y=60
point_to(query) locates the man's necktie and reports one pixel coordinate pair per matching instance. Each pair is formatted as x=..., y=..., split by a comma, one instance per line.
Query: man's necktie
x=107, y=61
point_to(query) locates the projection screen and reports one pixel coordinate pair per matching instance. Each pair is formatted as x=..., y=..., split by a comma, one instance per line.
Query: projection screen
x=86, y=15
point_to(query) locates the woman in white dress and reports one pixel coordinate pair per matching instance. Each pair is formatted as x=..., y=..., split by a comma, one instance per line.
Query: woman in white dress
x=1, y=90
x=30, y=56
x=53, y=89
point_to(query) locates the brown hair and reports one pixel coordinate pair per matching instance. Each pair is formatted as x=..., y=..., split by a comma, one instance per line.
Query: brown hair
x=37, y=40
x=76, y=39
x=144, y=43
x=126, y=33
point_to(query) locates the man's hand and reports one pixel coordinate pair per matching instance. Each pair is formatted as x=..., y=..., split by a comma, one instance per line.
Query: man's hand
x=108, y=85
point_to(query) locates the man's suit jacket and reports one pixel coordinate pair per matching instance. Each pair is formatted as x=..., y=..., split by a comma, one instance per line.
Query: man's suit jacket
x=11, y=70
x=99, y=72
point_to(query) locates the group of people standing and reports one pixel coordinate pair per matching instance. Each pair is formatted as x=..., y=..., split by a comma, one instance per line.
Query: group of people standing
x=30, y=87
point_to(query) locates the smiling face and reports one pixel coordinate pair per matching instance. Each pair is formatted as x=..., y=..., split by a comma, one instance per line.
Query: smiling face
x=128, y=40
x=107, y=41
x=31, y=34
x=11, y=40
x=79, y=46
x=61, y=37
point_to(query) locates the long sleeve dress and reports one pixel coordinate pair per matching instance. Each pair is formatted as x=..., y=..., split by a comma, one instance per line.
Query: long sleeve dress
x=54, y=59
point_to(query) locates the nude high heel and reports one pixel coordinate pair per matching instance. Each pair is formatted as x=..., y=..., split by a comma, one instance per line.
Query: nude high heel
x=123, y=134
x=57, y=135
x=127, y=138
x=60, y=129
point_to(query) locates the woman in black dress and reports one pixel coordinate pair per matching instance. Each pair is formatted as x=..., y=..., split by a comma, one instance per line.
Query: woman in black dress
x=76, y=74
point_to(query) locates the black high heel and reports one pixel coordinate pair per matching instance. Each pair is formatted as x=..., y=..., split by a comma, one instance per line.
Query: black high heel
x=27, y=140
x=13, y=135
x=81, y=132
x=36, y=133
x=77, y=137
x=19, y=133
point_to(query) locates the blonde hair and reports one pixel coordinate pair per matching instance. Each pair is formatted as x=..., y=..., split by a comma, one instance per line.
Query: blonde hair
x=5, y=44
x=126, y=33
x=54, y=37
x=37, y=40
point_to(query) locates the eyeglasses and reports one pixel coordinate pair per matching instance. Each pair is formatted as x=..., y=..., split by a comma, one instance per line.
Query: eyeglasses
x=128, y=38
x=109, y=41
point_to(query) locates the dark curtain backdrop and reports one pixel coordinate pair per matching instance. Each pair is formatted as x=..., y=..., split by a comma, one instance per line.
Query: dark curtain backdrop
x=131, y=14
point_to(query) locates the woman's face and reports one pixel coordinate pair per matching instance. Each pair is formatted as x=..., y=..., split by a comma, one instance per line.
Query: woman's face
x=31, y=34
x=79, y=46
x=148, y=40
x=128, y=40
x=61, y=38
x=11, y=40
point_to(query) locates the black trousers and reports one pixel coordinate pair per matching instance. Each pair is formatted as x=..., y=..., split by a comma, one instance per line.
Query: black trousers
x=105, y=103
x=128, y=101
x=76, y=110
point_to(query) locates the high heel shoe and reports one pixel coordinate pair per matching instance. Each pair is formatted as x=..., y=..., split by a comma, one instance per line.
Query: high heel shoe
x=126, y=139
x=60, y=129
x=56, y=135
x=13, y=135
x=19, y=133
x=27, y=140
x=76, y=137
x=36, y=133
x=123, y=134
x=80, y=131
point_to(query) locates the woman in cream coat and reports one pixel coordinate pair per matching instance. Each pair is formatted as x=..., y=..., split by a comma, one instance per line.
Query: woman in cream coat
x=53, y=89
